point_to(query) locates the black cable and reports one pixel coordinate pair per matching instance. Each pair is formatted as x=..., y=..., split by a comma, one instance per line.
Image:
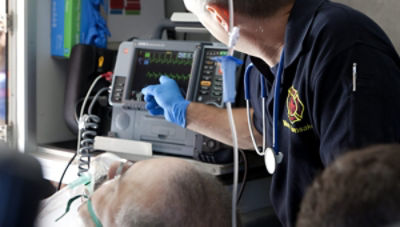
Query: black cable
x=244, y=179
x=132, y=38
x=65, y=170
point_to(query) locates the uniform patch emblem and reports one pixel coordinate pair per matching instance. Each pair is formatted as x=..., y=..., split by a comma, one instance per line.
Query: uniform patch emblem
x=294, y=106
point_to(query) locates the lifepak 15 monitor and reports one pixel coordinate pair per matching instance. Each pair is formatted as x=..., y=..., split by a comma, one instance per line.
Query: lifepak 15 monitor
x=141, y=63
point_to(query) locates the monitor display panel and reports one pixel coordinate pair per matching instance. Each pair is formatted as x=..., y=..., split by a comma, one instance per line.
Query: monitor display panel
x=150, y=64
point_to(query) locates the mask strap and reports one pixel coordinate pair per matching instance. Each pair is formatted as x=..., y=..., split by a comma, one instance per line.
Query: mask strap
x=87, y=180
x=120, y=168
x=92, y=214
x=70, y=201
x=96, y=221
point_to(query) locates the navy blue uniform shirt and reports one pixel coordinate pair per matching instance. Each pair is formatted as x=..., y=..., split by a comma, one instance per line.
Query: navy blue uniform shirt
x=320, y=114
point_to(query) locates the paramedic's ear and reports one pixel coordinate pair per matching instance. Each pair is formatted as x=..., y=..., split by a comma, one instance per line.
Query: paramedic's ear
x=220, y=15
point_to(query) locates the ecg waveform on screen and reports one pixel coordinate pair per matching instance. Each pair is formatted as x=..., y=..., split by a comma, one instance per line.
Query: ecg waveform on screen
x=175, y=76
x=150, y=65
x=169, y=61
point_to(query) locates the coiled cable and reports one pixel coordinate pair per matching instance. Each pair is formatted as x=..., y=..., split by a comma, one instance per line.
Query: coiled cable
x=89, y=125
x=84, y=161
x=88, y=132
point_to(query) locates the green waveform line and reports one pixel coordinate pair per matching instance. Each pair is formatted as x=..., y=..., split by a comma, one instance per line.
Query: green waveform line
x=175, y=76
x=170, y=61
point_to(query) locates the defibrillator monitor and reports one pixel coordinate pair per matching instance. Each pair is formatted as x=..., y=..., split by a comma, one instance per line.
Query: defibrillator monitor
x=142, y=62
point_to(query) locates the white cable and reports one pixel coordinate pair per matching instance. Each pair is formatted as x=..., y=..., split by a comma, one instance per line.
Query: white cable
x=233, y=31
x=261, y=153
x=88, y=95
x=233, y=37
x=231, y=11
x=95, y=98
x=235, y=163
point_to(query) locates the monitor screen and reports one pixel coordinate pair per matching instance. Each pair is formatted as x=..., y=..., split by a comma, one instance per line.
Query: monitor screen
x=149, y=65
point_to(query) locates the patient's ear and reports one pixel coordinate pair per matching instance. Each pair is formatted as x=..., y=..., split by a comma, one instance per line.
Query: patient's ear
x=220, y=15
x=120, y=167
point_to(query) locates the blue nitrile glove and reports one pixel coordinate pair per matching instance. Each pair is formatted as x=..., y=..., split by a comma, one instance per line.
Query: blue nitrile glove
x=94, y=29
x=166, y=98
x=228, y=66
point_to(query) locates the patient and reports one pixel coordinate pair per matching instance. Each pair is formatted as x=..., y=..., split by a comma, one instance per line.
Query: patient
x=159, y=192
x=361, y=188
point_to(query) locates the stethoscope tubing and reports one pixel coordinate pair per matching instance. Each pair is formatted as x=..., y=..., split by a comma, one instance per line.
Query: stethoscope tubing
x=277, y=94
x=247, y=98
x=275, y=132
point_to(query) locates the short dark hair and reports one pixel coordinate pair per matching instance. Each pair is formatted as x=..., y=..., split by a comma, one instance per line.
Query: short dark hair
x=360, y=188
x=254, y=8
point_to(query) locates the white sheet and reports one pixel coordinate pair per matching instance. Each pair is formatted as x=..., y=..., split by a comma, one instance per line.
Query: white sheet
x=54, y=206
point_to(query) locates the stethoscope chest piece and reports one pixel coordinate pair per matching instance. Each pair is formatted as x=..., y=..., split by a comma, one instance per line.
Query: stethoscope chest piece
x=270, y=160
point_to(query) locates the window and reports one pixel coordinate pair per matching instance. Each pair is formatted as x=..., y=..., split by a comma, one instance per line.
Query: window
x=3, y=62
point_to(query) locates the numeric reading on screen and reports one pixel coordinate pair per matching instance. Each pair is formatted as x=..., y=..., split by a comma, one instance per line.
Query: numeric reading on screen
x=150, y=65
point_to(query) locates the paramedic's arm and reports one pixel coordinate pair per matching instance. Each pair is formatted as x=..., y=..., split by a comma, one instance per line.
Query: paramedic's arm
x=166, y=99
x=347, y=119
x=213, y=122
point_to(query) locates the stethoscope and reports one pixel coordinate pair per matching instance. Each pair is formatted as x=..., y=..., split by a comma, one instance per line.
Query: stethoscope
x=272, y=155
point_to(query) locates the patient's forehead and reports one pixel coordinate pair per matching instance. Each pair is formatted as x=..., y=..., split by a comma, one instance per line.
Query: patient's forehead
x=155, y=168
x=155, y=172
x=149, y=181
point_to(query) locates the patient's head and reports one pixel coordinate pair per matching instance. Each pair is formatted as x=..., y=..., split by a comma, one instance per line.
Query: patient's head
x=161, y=192
x=361, y=188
